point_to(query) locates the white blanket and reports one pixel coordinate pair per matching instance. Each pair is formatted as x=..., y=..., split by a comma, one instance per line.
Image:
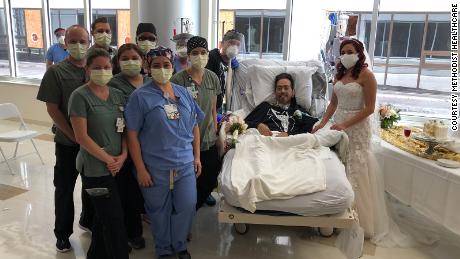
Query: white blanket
x=276, y=168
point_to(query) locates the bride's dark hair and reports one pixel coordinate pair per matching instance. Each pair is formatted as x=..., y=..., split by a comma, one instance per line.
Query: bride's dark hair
x=359, y=47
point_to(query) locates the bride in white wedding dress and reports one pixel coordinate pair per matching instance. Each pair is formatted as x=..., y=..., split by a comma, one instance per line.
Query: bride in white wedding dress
x=352, y=105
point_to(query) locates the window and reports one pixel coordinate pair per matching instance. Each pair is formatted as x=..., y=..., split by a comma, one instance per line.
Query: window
x=31, y=39
x=263, y=31
x=273, y=33
x=416, y=79
x=63, y=18
x=28, y=38
x=250, y=27
x=4, y=62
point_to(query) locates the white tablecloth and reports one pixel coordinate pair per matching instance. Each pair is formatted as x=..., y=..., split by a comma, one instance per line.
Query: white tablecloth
x=432, y=190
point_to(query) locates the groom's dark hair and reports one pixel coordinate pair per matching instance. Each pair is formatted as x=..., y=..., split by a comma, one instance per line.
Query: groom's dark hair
x=284, y=76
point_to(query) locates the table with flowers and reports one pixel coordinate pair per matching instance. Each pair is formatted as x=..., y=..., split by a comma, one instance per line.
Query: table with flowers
x=414, y=178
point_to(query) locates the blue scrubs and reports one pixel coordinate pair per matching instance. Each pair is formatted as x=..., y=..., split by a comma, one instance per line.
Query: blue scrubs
x=56, y=53
x=177, y=65
x=167, y=151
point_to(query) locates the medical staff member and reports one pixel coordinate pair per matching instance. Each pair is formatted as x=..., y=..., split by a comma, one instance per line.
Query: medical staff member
x=129, y=79
x=204, y=86
x=96, y=113
x=164, y=143
x=181, y=61
x=57, y=85
x=146, y=39
x=57, y=52
x=102, y=35
x=220, y=59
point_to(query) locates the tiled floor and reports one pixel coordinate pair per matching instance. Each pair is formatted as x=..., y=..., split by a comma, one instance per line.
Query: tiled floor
x=26, y=225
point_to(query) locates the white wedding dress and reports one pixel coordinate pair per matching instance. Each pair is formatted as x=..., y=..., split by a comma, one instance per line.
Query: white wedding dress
x=363, y=171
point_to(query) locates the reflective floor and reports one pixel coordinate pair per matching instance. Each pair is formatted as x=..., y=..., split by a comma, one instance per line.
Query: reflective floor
x=26, y=225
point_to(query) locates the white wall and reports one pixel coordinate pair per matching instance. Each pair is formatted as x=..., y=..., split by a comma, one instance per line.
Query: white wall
x=305, y=28
x=60, y=4
x=387, y=5
x=252, y=4
x=345, y=5
x=25, y=97
x=68, y=4
x=110, y=4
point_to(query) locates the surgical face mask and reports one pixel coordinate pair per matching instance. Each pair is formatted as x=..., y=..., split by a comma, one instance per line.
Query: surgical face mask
x=349, y=60
x=61, y=39
x=182, y=52
x=161, y=75
x=130, y=67
x=146, y=45
x=232, y=51
x=100, y=76
x=199, y=61
x=77, y=50
x=103, y=39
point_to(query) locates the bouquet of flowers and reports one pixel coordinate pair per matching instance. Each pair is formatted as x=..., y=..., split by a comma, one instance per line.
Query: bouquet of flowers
x=234, y=127
x=388, y=116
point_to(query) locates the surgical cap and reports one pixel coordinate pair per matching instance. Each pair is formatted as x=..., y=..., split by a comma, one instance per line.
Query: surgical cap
x=182, y=37
x=196, y=42
x=160, y=52
x=146, y=27
x=233, y=35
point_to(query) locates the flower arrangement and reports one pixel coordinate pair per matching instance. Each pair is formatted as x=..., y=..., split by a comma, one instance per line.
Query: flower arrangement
x=388, y=116
x=234, y=127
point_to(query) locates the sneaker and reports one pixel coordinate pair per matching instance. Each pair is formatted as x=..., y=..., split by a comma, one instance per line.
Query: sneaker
x=210, y=201
x=184, y=255
x=63, y=245
x=137, y=243
x=189, y=237
x=84, y=228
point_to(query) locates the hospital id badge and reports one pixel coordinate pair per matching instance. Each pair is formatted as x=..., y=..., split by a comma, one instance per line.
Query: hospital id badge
x=120, y=124
x=193, y=92
x=171, y=111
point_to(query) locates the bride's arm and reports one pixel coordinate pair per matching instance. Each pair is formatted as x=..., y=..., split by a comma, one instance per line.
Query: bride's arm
x=330, y=110
x=370, y=92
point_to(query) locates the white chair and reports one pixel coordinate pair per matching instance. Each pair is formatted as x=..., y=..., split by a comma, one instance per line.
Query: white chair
x=9, y=111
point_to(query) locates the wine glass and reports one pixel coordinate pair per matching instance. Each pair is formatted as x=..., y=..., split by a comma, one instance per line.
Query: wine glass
x=407, y=132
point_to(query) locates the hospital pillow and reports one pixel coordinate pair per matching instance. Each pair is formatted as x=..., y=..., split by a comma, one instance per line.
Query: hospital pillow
x=262, y=80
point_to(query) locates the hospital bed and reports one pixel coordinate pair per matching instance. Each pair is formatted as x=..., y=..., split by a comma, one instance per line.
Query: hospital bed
x=253, y=82
x=304, y=210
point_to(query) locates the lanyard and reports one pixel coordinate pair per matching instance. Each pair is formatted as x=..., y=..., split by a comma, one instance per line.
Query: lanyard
x=172, y=174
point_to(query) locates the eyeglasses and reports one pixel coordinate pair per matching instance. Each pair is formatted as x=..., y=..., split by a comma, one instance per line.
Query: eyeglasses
x=149, y=38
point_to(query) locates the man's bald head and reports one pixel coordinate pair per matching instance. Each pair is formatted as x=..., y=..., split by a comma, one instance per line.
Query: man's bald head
x=77, y=34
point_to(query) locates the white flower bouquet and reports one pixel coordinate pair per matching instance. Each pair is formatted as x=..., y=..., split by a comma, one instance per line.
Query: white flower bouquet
x=234, y=127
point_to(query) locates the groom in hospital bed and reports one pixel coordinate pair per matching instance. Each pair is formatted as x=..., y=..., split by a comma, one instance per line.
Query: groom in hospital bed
x=283, y=116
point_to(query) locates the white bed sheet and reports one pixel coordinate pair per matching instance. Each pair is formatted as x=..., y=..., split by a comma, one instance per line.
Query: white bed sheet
x=337, y=197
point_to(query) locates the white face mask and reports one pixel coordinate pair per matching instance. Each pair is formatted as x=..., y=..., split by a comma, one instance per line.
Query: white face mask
x=130, y=67
x=103, y=39
x=61, y=39
x=146, y=45
x=199, y=61
x=77, y=50
x=232, y=51
x=349, y=60
x=161, y=75
x=182, y=52
x=100, y=76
